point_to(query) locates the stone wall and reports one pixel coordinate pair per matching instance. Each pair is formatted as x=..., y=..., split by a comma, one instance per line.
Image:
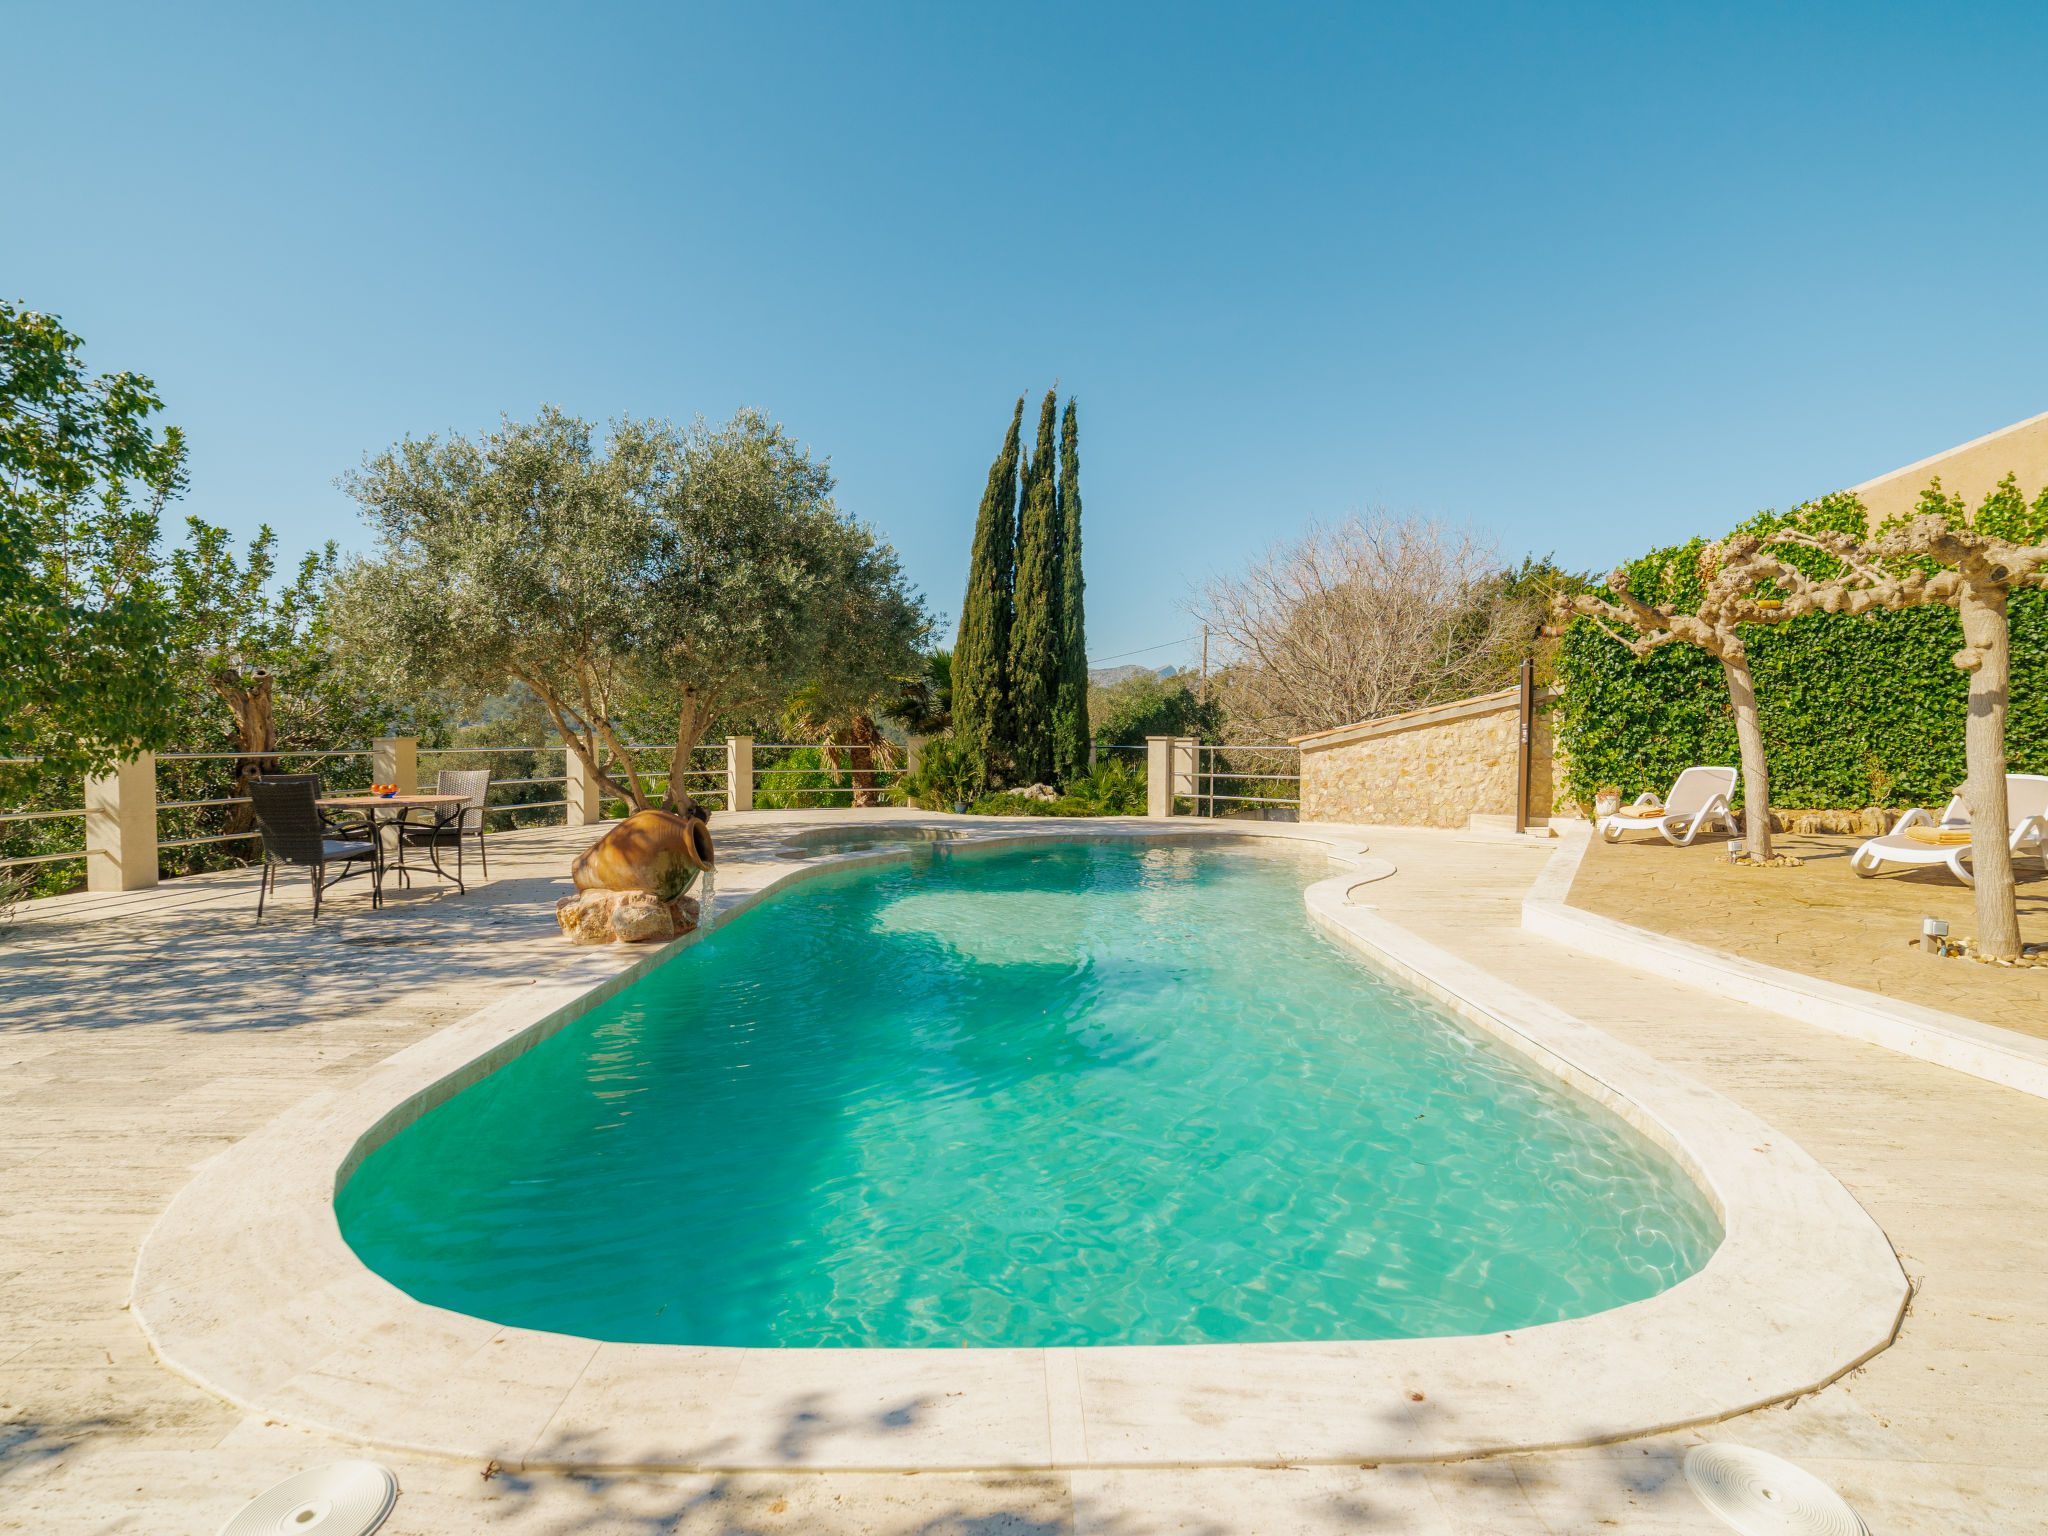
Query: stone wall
x=1434, y=767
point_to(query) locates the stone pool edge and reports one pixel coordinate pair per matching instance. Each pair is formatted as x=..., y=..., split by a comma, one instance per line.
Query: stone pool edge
x=246, y=1287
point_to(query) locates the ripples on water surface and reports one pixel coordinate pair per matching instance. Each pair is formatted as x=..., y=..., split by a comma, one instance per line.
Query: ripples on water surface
x=1079, y=1094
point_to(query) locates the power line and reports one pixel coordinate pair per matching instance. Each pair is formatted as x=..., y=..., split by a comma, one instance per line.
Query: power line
x=1096, y=661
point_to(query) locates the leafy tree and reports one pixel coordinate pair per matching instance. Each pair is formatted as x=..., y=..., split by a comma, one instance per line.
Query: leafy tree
x=84, y=625
x=1035, y=636
x=759, y=587
x=981, y=652
x=1146, y=704
x=685, y=576
x=264, y=652
x=520, y=556
x=1070, y=702
x=870, y=631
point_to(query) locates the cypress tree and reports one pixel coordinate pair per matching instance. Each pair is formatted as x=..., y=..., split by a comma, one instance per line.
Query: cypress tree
x=1035, y=639
x=1070, y=705
x=981, y=652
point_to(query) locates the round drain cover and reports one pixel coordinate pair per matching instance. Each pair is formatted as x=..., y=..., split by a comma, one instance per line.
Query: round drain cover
x=1764, y=1495
x=350, y=1498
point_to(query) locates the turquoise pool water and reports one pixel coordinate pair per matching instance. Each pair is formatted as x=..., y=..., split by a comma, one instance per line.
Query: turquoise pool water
x=1073, y=1094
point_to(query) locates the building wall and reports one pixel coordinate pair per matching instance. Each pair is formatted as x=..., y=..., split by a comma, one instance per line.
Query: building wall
x=1973, y=469
x=1432, y=768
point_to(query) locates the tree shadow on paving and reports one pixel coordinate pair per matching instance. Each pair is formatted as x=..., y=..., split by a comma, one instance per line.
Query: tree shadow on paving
x=766, y=1503
x=209, y=969
x=1607, y=1488
x=759, y=1504
x=27, y=1445
x=1620, y=1489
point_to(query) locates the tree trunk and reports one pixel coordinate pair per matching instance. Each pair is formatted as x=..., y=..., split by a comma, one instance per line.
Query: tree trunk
x=693, y=718
x=1987, y=657
x=1756, y=774
x=255, y=732
x=861, y=756
x=584, y=743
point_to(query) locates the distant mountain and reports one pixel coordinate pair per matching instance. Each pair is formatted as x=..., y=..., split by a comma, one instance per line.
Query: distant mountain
x=1108, y=677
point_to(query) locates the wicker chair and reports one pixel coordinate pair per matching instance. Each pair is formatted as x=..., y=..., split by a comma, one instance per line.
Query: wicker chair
x=452, y=826
x=293, y=833
x=344, y=829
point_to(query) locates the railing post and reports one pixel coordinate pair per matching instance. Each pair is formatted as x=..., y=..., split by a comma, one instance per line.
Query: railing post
x=396, y=760
x=1159, y=775
x=913, y=754
x=581, y=790
x=739, y=773
x=120, y=827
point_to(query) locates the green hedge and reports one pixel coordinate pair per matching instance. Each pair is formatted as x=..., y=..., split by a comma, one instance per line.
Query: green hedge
x=1855, y=711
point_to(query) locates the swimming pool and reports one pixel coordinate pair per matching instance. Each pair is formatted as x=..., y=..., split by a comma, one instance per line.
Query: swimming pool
x=1082, y=1093
x=843, y=839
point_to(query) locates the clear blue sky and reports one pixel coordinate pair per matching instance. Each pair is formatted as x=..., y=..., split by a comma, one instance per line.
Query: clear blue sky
x=1589, y=277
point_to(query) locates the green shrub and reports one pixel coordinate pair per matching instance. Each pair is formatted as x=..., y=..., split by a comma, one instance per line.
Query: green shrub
x=1109, y=789
x=1010, y=803
x=799, y=781
x=947, y=775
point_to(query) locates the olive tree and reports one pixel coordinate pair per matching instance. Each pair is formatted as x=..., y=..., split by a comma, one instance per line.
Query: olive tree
x=521, y=555
x=686, y=573
x=759, y=587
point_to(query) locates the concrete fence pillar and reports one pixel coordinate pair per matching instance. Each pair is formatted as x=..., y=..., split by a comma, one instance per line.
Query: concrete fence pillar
x=913, y=754
x=1186, y=768
x=739, y=773
x=582, y=791
x=396, y=760
x=1159, y=775
x=120, y=827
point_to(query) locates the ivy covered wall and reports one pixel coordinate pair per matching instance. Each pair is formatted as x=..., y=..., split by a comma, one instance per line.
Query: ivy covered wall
x=1855, y=711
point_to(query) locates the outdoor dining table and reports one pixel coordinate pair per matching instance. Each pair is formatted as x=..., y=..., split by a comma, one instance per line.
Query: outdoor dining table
x=394, y=808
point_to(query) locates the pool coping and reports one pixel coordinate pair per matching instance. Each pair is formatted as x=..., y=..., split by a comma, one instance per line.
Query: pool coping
x=1952, y=1040
x=246, y=1288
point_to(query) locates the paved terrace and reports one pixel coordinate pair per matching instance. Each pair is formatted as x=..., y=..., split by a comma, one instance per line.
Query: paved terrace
x=1824, y=920
x=142, y=1034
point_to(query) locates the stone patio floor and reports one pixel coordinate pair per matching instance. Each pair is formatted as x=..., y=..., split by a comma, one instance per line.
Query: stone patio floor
x=1824, y=920
x=141, y=1034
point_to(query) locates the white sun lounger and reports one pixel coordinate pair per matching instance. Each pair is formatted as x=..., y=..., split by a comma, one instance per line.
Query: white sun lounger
x=1698, y=799
x=2026, y=805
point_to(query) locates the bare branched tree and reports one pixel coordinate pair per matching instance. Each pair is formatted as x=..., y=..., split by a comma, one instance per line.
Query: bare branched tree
x=1714, y=625
x=1368, y=618
x=1929, y=560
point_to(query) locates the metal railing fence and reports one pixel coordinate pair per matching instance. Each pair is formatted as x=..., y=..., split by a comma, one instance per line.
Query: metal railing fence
x=1239, y=766
x=1221, y=780
x=819, y=779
